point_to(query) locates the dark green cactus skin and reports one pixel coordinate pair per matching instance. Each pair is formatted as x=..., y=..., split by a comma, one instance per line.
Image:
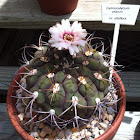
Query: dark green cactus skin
x=63, y=65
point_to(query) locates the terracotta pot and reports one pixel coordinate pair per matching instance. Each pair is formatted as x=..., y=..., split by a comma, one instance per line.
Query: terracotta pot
x=108, y=135
x=58, y=7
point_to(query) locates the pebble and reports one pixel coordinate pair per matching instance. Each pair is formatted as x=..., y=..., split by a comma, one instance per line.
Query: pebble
x=110, y=123
x=28, y=115
x=113, y=114
x=23, y=121
x=83, y=133
x=88, y=134
x=76, y=134
x=101, y=132
x=106, y=122
x=54, y=132
x=31, y=127
x=110, y=118
x=40, y=117
x=116, y=96
x=35, y=128
x=74, y=129
x=41, y=125
x=93, y=127
x=105, y=116
x=68, y=134
x=110, y=110
x=80, y=137
x=40, y=138
x=46, y=139
x=104, y=109
x=61, y=134
x=19, y=105
x=57, y=129
x=93, y=116
x=47, y=129
x=36, y=125
x=103, y=125
x=93, y=123
x=73, y=137
x=38, y=131
x=34, y=134
x=105, y=112
x=21, y=116
x=88, y=126
x=97, y=135
x=95, y=130
x=36, y=139
x=51, y=137
x=20, y=109
x=92, y=135
x=43, y=134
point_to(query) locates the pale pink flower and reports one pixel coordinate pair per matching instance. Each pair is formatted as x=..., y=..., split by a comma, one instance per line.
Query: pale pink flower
x=68, y=36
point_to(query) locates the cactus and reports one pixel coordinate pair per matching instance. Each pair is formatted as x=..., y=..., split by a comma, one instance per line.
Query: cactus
x=67, y=78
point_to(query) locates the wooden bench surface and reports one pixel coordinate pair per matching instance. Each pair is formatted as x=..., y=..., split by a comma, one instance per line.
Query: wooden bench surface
x=128, y=130
x=27, y=14
x=131, y=82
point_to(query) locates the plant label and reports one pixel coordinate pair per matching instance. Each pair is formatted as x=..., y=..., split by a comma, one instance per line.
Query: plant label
x=120, y=13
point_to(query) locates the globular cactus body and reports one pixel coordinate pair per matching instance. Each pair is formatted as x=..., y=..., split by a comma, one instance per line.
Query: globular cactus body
x=67, y=79
x=73, y=78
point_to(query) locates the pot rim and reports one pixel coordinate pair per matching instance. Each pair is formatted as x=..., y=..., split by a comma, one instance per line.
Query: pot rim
x=109, y=132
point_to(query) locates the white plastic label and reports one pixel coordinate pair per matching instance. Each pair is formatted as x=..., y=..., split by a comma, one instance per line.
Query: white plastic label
x=120, y=13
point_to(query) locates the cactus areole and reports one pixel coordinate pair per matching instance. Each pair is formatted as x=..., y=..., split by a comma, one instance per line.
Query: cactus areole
x=67, y=78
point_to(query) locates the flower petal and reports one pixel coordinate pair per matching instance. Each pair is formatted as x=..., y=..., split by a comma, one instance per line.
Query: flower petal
x=71, y=51
x=75, y=30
